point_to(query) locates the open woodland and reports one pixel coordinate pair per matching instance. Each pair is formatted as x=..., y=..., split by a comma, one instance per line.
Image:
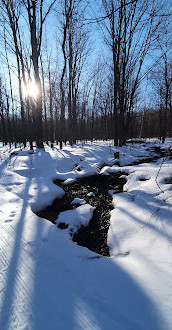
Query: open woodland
x=84, y=70
x=85, y=165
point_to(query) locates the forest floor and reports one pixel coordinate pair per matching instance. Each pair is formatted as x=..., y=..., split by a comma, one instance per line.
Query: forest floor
x=103, y=259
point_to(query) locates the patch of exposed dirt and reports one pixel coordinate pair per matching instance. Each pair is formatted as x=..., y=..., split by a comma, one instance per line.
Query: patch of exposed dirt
x=93, y=236
x=168, y=180
x=145, y=160
x=143, y=179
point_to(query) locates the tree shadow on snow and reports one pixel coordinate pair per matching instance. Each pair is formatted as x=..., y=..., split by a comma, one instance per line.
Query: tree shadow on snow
x=155, y=214
x=13, y=278
x=74, y=290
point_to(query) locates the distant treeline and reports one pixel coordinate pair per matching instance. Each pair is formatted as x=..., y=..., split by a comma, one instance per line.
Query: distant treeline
x=144, y=124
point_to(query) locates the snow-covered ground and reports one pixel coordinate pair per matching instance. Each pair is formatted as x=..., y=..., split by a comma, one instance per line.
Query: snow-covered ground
x=49, y=282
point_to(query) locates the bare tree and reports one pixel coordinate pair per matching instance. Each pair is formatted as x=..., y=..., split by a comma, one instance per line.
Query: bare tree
x=2, y=114
x=77, y=50
x=67, y=10
x=130, y=30
x=36, y=20
x=165, y=83
x=11, y=9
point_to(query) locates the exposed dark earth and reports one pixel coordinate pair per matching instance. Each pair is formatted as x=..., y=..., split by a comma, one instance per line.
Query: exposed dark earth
x=93, y=236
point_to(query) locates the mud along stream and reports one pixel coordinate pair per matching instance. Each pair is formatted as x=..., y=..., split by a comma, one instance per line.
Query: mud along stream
x=94, y=235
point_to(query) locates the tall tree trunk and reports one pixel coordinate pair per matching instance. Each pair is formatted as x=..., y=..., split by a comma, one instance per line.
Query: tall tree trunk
x=44, y=100
x=35, y=56
x=70, y=112
x=115, y=82
x=51, y=107
x=164, y=128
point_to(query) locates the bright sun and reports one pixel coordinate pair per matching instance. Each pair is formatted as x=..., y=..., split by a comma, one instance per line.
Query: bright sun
x=31, y=89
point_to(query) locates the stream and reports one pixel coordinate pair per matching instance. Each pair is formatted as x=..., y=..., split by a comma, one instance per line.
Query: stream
x=94, y=235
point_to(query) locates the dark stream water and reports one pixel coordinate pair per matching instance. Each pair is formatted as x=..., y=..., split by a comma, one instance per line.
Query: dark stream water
x=93, y=236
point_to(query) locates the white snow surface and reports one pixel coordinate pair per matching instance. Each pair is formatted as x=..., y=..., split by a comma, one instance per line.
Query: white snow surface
x=49, y=282
x=77, y=217
x=78, y=201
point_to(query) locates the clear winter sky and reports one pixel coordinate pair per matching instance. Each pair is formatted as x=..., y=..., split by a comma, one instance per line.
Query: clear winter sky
x=99, y=51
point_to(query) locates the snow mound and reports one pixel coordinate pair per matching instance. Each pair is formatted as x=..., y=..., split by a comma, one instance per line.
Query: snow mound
x=77, y=217
x=79, y=201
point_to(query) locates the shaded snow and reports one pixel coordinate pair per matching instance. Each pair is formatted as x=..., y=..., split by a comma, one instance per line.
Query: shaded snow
x=78, y=201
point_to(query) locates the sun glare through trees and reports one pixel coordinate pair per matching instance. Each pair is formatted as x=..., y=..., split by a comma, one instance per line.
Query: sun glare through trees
x=30, y=90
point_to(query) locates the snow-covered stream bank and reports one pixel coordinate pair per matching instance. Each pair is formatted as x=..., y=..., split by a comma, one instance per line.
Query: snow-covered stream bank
x=49, y=282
